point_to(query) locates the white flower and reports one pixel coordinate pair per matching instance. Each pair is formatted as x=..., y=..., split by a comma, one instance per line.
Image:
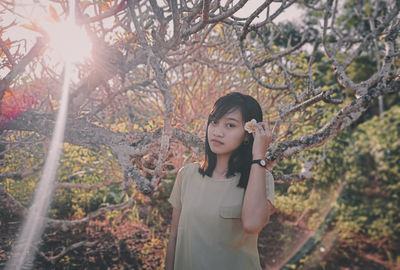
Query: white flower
x=249, y=126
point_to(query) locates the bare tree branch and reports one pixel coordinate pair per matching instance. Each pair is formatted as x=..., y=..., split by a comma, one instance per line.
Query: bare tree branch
x=10, y=203
x=65, y=225
x=17, y=175
x=53, y=259
x=20, y=66
x=341, y=120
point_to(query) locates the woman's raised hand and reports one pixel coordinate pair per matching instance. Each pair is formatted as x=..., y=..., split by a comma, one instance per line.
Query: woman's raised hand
x=262, y=138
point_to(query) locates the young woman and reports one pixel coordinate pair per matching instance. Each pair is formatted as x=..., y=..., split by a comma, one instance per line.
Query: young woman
x=220, y=206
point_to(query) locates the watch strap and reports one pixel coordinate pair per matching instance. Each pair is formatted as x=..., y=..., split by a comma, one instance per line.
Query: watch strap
x=260, y=162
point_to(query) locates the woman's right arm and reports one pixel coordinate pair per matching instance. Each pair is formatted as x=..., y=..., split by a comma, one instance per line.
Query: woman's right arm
x=169, y=261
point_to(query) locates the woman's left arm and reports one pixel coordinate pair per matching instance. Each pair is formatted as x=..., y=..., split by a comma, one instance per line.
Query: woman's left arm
x=256, y=207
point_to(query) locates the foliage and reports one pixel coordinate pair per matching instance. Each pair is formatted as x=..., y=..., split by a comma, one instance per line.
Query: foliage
x=371, y=204
x=366, y=219
x=78, y=166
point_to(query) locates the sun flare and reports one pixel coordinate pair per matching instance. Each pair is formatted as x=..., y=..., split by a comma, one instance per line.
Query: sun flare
x=69, y=41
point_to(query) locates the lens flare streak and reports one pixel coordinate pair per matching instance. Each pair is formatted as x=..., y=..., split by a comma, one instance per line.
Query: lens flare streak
x=23, y=252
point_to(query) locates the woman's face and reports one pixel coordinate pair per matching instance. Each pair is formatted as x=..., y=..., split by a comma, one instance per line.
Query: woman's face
x=226, y=134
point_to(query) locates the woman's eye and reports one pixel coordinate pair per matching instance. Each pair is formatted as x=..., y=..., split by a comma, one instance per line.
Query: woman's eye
x=230, y=125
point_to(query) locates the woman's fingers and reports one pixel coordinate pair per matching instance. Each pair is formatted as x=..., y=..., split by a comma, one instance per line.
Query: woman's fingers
x=259, y=130
x=262, y=139
x=267, y=125
x=262, y=128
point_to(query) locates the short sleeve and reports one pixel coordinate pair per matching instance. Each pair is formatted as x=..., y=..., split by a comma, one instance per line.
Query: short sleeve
x=270, y=185
x=175, y=199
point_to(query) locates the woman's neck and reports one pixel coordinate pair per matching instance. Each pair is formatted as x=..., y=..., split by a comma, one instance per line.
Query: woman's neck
x=221, y=166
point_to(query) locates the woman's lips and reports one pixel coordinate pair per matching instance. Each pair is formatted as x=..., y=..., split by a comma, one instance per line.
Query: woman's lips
x=216, y=142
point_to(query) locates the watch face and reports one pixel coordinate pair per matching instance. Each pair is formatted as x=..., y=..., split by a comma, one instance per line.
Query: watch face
x=262, y=162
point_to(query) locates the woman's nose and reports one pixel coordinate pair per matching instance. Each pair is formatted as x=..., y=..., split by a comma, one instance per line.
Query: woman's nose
x=217, y=131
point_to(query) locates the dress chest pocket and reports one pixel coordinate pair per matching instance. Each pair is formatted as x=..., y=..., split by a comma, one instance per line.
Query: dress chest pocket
x=232, y=202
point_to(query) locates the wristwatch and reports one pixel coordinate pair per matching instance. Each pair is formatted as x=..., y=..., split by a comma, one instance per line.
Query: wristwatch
x=260, y=162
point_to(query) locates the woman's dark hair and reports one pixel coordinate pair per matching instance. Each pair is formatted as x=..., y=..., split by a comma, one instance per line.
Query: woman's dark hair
x=240, y=160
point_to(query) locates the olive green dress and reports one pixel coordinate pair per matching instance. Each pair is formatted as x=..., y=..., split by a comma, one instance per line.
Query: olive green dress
x=210, y=234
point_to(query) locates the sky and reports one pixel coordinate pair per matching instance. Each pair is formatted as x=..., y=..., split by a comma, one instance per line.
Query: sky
x=290, y=14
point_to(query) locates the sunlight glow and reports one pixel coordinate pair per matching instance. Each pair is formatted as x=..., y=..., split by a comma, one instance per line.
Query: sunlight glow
x=69, y=41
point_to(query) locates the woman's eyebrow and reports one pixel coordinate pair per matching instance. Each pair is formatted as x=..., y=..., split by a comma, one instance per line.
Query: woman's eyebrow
x=233, y=119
